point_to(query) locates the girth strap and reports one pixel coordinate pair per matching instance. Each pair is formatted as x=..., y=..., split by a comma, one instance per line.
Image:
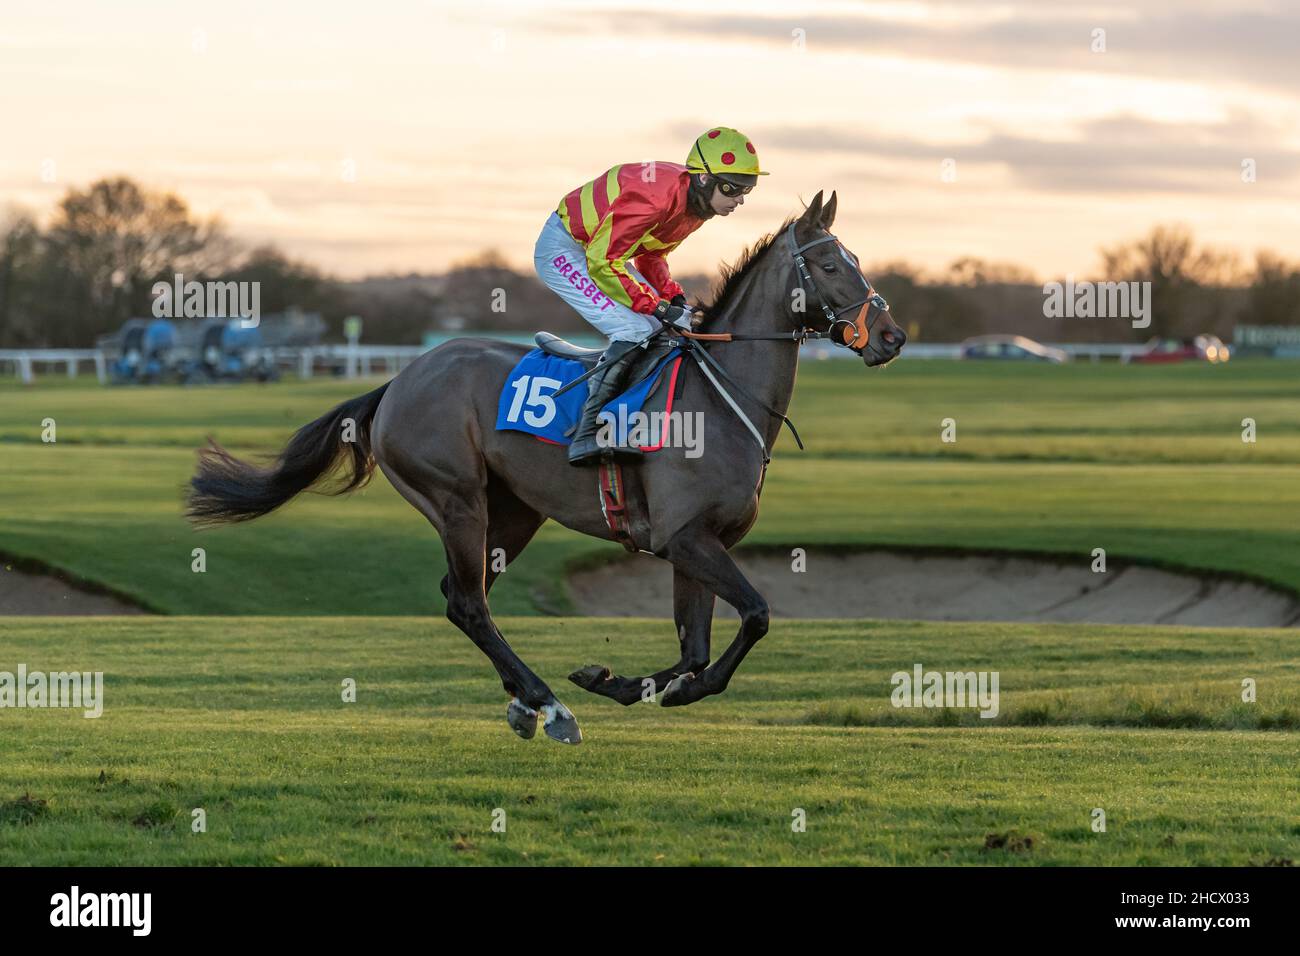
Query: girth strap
x=614, y=502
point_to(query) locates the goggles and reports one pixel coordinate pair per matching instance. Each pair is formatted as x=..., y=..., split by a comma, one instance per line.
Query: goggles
x=731, y=189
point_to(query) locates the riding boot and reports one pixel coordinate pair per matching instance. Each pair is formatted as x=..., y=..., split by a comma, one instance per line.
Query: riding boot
x=616, y=368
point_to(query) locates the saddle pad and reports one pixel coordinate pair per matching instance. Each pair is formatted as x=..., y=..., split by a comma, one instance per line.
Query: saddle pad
x=527, y=403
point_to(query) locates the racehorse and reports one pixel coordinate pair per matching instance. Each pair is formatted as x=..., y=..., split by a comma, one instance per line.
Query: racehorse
x=431, y=430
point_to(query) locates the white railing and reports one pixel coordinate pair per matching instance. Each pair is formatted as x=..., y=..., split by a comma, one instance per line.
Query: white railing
x=1076, y=350
x=356, y=359
x=946, y=350
x=25, y=360
x=366, y=360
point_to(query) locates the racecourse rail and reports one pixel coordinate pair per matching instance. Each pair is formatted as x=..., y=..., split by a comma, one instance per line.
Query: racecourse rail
x=353, y=360
x=361, y=360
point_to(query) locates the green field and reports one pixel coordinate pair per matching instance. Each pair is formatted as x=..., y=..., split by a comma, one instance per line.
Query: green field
x=1145, y=462
x=242, y=715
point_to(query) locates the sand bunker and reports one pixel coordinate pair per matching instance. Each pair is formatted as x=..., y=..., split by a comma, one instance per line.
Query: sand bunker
x=874, y=583
x=42, y=594
x=903, y=585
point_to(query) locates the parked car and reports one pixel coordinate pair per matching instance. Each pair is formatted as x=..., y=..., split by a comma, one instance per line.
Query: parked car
x=1015, y=347
x=1202, y=348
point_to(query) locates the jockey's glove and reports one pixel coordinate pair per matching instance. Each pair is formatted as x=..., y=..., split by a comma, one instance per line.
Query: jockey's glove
x=673, y=313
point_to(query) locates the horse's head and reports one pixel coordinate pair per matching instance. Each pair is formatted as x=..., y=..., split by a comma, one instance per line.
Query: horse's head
x=837, y=298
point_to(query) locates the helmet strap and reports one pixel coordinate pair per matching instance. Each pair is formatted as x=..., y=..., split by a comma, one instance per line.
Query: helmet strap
x=698, y=194
x=700, y=153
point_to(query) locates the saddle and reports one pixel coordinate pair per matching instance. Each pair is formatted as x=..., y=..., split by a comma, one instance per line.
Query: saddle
x=554, y=345
x=622, y=502
x=643, y=361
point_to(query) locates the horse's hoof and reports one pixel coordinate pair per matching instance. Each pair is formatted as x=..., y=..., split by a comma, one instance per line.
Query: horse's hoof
x=678, y=691
x=560, y=724
x=590, y=676
x=521, y=718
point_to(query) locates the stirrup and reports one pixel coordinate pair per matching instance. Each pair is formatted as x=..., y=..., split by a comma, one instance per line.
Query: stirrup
x=586, y=452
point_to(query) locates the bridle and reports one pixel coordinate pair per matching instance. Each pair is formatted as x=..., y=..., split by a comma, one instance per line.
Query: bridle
x=843, y=332
x=853, y=334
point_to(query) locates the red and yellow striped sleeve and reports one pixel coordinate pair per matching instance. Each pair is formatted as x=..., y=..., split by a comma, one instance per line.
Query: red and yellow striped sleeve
x=623, y=231
x=652, y=264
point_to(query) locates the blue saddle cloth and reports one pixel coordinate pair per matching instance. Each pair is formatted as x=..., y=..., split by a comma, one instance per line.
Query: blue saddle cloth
x=527, y=403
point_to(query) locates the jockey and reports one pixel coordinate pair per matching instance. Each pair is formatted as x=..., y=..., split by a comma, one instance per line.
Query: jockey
x=638, y=212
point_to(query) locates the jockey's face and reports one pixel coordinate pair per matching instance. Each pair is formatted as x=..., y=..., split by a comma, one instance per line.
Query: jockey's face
x=723, y=205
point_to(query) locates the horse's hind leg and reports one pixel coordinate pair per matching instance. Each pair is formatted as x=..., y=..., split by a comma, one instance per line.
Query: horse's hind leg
x=461, y=517
x=511, y=525
x=693, y=615
x=465, y=541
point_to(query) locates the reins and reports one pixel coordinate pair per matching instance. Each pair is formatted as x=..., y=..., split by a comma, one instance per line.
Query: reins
x=706, y=361
x=839, y=331
x=842, y=332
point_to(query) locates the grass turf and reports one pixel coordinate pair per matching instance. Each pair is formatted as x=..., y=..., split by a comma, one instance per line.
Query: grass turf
x=243, y=717
x=1145, y=462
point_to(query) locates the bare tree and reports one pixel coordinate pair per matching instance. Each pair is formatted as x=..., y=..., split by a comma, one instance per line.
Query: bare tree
x=1161, y=259
x=21, y=246
x=972, y=271
x=1274, y=294
x=114, y=240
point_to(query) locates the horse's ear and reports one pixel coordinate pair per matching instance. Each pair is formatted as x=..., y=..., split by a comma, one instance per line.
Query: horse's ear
x=828, y=212
x=812, y=215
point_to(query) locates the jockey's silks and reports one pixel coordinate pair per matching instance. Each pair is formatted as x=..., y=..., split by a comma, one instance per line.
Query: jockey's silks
x=635, y=211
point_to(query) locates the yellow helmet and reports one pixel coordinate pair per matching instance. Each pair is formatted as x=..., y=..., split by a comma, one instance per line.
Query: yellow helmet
x=723, y=150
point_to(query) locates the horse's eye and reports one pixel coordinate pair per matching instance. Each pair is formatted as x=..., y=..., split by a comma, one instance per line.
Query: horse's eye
x=828, y=267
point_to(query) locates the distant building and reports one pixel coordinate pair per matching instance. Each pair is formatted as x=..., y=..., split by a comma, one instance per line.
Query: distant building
x=1277, y=341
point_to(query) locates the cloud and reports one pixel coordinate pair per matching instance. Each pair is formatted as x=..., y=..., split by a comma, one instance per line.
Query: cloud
x=1108, y=155
x=1202, y=42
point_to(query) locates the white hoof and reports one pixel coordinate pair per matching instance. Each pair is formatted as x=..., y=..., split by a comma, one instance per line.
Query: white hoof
x=521, y=718
x=560, y=724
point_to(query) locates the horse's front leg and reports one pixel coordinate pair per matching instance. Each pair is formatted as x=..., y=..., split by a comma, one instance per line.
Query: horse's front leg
x=701, y=557
x=693, y=615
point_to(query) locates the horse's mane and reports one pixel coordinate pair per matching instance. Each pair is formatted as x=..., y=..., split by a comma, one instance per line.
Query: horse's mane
x=734, y=275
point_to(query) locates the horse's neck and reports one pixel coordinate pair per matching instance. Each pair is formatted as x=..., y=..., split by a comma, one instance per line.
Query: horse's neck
x=766, y=369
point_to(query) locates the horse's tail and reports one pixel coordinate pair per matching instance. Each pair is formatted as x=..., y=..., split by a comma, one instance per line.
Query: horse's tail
x=226, y=489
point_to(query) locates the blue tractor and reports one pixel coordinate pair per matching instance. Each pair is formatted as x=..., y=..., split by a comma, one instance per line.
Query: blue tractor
x=145, y=352
x=227, y=351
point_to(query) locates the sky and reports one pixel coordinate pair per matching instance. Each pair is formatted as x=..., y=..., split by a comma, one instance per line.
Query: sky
x=390, y=137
